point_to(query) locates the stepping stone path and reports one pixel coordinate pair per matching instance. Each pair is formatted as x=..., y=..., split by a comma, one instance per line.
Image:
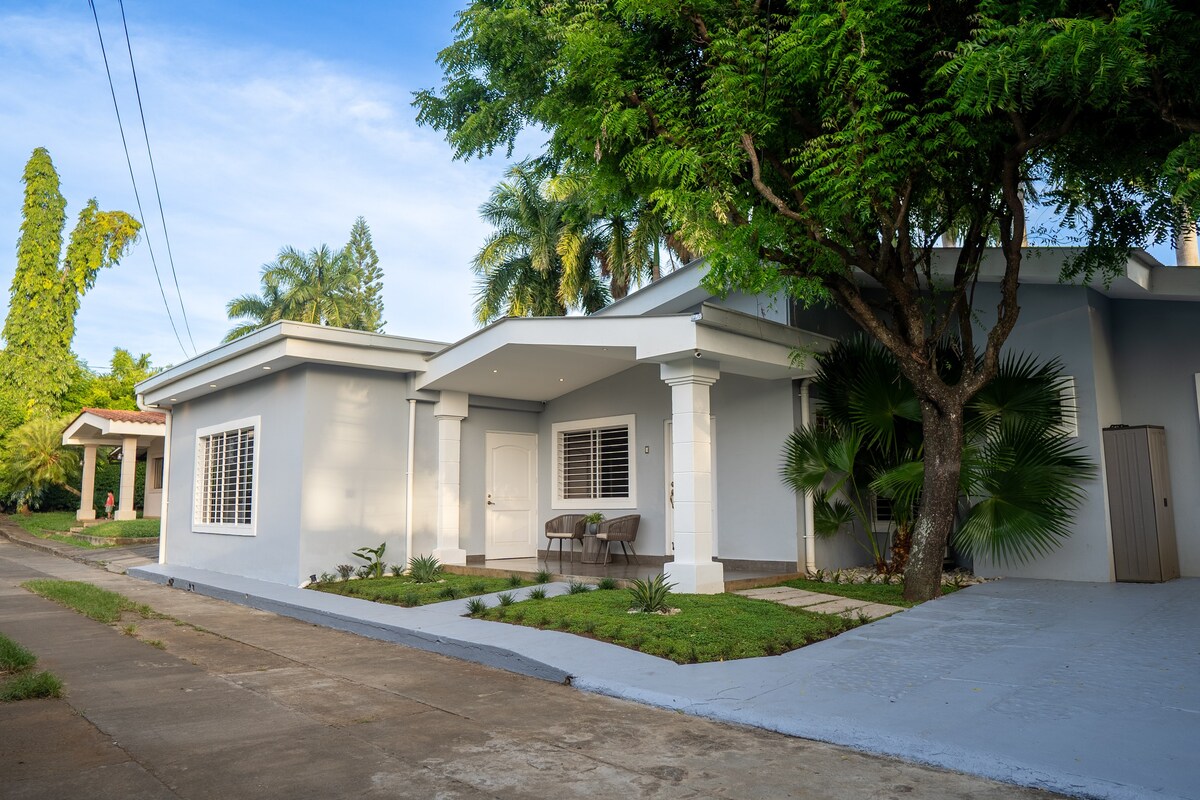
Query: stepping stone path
x=821, y=603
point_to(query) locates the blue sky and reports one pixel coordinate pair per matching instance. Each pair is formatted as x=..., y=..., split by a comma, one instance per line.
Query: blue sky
x=272, y=124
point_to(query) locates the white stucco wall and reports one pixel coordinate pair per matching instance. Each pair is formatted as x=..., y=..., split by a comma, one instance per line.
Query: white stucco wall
x=272, y=554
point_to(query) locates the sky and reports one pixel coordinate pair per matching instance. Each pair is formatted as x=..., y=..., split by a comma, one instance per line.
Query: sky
x=271, y=124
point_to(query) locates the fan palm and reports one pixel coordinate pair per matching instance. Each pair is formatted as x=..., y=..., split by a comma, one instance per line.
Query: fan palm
x=35, y=459
x=1021, y=471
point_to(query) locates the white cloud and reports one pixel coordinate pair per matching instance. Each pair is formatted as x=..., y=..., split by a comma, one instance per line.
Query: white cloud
x=255, y=149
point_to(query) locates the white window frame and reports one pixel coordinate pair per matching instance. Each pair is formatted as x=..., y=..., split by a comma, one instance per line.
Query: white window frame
x=157, y=470
x=878, y=524
x=1068, y=400
x=559, y=501
x=243, y=529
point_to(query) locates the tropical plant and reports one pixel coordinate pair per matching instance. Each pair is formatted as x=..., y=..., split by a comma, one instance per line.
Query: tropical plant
x=36, y=364
x=345, y=570
x=424, y=569
x=537, y=593
x=476, y=606
x=543, y=576
x=578, y=587
x=1021, y=476
x=33, y=459
x=606, y=583
x=506, y=598
x=651, y=596
x=822, y=149
x=374, y=558
x=396, y=570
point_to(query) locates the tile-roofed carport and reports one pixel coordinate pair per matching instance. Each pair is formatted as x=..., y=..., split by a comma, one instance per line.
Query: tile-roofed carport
x=132, y=431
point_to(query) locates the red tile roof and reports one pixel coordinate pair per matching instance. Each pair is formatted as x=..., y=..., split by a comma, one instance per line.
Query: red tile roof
x=117, y=415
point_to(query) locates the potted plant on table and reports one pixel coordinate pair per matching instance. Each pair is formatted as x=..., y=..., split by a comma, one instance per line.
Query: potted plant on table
x=593, y=521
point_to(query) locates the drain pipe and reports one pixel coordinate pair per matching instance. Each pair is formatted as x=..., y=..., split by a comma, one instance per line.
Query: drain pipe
x=408, y=483
x=810, y=542
x=163, y=539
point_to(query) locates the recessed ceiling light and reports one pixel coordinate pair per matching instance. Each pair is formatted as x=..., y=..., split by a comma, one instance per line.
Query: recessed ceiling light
x=212, y=386
x=174, y=399
x=495, y=370
x=266, y=367
x=560, y=380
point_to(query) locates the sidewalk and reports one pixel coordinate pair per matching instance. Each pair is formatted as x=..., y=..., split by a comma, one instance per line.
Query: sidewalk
x=258, y=705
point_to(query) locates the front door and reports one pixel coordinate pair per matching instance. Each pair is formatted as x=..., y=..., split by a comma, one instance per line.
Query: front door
x=511, y=495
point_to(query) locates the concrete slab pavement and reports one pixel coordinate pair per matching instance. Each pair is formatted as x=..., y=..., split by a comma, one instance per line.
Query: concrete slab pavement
x=269, y=707
x=1086, y=689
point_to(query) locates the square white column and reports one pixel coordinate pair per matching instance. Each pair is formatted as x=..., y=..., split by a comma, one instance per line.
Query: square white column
x=693, y=570
x=87, y=492
x=125, y=509
x=450, y=411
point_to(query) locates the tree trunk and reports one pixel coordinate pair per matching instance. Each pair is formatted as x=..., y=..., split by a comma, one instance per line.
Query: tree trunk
x=943, y=432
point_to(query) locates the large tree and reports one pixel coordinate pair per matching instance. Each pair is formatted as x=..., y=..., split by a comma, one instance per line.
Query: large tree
x=368, y=297
x=36, y=365
x=823, y=148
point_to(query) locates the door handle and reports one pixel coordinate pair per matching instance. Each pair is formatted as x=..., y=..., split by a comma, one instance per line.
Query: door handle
x=671, y=496
x=490, y=501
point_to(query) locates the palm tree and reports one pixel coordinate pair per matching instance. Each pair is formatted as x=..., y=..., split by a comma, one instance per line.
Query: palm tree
x=320, y=287
x=521, y=267
x=1021, y=471
x=34, y=459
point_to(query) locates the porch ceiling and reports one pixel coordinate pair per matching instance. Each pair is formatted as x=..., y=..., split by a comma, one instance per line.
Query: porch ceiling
x=544, y=358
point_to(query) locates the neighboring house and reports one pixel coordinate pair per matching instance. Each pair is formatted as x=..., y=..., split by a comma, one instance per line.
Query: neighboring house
x=291, y=447
x=130, y=435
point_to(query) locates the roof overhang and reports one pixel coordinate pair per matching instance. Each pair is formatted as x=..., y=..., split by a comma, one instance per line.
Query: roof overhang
x=89, y=428
x=543, y=358
x=277, y=347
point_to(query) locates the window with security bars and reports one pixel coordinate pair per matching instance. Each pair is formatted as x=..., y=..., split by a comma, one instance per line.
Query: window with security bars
x=225, y=478
x=593, y=464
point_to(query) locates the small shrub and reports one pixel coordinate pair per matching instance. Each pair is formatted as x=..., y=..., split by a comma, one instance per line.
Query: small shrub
x=578, y=587
x=506, y=599
x=364, y=571
x=543, y=576
x=396, y=569
x=345, y=570
x=515, y=581
x=537, y=593
x=424, y=569
x=652, y=595
x=607, y=584
x=476, y=606
x=410, y=599
x=374, y=558
x=327, y=577
x=478, y=587
x=129, y=630
x=449, y=592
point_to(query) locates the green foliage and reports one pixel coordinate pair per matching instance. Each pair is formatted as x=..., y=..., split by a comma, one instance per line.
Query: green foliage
x=476, y=606
x=449, y=592
x=543, y=576
x=99, y=604
x=537, y=593
x=718, y=627
x=396, y=570
x=33, y=459
x=29, y=685
x=14, y=657
x=345, y=571
x=127, y=529
x=36, y=365
x=578, y=587
x=115, y=389
x=506, y=598
x=424, y=569
x=651, y=596
x=374, y=558
x=368, y=296
x=606, y=584
x=515, y=580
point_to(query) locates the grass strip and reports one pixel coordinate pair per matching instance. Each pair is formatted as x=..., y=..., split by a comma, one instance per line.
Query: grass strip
x=404, y=591
x=126, y=529
x=717, y=627
x=99, y=604
x=17, y=678
x=45, y=521
x=887, y=594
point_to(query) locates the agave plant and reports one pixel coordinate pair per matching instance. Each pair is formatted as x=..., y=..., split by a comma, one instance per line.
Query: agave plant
x=1021, y=471
x=424, y=569
x=651, y=596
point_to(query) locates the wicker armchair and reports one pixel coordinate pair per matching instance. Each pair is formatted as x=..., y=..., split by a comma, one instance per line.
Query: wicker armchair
x=622, y=530
x=567, y=527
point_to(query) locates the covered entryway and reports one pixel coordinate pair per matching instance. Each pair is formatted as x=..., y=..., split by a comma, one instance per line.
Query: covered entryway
x=511, y=495
x=134, y=432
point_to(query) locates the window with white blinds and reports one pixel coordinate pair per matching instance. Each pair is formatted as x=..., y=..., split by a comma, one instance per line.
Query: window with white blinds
x=594, y=464
x=226, y=459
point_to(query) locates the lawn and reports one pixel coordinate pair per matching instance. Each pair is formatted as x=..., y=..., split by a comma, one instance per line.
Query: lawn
x=715, y=627
x=404, y=591
x=891, y=594
x=55, y=524
x=42, y=522
x=126, y=529
x=18, y=680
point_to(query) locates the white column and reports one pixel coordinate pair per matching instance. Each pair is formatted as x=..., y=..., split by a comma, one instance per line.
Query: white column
x=166, y=492
x=125, y=508
x=450, y=411
x=87, y=492
x=693, y=569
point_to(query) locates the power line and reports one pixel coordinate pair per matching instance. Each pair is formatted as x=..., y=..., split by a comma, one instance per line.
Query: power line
x=132, y=179
x=153, y=174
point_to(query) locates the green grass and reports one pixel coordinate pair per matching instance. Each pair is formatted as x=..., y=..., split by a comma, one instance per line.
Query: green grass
x=42, y=522
x=716, y=627
x=91, y=601
x=18, y=681
x=887, y=594
x=403, y=591
x=126, y=528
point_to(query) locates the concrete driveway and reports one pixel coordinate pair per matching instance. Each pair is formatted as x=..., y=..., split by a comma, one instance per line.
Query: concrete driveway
x=1085, y=689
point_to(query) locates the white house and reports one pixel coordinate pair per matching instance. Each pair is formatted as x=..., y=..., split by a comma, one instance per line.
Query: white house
x=291, y=447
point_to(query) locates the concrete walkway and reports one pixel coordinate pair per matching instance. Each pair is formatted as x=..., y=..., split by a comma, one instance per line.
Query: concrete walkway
x=1086, y=689
x=821, y=603
x=244, y=704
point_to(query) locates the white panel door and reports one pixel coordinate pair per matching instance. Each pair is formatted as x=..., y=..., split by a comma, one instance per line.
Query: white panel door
x=511, y=495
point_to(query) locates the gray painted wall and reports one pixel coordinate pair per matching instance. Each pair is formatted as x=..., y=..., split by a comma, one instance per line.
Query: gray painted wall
x=272, y=554
x=1157, y=360
x=352, y=486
